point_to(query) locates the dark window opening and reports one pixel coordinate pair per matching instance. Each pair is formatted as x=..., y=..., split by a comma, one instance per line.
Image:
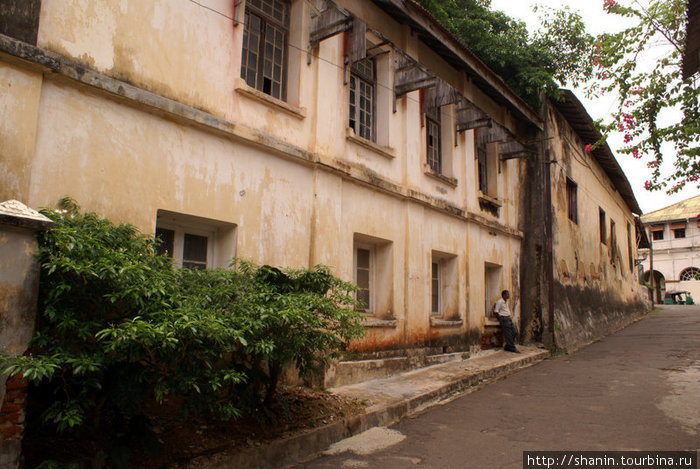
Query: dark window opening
x=194, y=252
x=166, y=240
x=571, y=200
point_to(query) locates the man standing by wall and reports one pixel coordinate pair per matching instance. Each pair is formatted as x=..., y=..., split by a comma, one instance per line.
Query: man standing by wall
x=504, y=317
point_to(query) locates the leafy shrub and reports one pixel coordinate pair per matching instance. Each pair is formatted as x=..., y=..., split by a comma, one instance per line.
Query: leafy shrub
x=119, y=325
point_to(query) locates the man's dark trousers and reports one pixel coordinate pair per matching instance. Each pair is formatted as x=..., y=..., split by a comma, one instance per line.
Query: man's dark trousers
x=509, y=332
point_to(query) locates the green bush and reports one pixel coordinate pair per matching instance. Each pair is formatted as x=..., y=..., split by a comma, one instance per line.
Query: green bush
x=119, y=325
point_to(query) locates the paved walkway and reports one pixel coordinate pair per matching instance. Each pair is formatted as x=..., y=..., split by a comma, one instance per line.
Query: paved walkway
x=638, y=389
x=391, y=399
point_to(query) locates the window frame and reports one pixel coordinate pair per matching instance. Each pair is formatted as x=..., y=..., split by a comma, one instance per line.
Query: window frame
x=359, y=77
x=266, y=21
x=676, y=232
x=659, y=237
x=433, y=133
x=686, y=271
x=602, y=226
x=369, y=309
x=180, y=231
x=435, y=287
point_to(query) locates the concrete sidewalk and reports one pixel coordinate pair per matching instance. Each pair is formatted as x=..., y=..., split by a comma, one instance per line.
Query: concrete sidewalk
x=390, y=399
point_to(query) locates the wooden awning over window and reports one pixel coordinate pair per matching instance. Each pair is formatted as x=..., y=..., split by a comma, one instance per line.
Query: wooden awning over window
x=328, y=22
x=409, y=76
x=469, y=116
x=439, y=95
x=654, y=228
x=678, y=225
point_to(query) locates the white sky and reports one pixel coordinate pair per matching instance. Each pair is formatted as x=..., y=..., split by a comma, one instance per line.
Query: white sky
x=598, y=21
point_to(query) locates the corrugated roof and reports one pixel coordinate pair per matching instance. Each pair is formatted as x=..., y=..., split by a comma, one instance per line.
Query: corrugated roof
x=688, y=208
x=579, y=120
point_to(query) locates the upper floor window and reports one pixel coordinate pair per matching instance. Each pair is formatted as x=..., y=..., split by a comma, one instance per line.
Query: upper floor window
x=433, y=143
x=601, y=225
x=363, y=84
x=265, y=37
x=482, y=155
x=657, y=232
x=679, y=233
x=571, y=201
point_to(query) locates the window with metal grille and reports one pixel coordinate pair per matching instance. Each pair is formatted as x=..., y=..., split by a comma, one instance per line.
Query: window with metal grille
x=362, y=97
x=263, y=64
x=601, y=225
x=433, y=144
x=679, y=233
x=482, y=154
x=571, y=200
x=657, y=235
x=691, y=273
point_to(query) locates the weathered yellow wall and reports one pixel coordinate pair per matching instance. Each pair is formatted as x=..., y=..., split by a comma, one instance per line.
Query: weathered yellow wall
x=126, y=162
x=595, y=289
x=19, y=108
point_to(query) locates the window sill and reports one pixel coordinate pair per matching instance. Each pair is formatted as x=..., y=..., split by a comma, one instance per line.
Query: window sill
x=386, y=152
x=428, y=171
x=437, y=322
x=492, y=322
x=243, y=88
x=374, y=322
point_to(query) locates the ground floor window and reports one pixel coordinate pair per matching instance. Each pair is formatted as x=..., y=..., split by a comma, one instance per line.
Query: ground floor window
x=373, y=275
x=195, y=242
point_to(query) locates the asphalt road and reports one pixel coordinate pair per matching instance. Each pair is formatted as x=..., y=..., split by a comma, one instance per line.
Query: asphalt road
x=638, y=389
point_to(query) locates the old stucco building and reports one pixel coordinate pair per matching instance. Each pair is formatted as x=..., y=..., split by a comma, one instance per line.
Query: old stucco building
x=674, y=232
x=593, y=230
x=360, y=135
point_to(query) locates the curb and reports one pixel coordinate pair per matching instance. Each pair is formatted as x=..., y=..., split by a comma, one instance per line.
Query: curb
x=303, y=447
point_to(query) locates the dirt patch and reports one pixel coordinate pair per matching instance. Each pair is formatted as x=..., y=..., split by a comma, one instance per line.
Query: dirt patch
x=180, y=440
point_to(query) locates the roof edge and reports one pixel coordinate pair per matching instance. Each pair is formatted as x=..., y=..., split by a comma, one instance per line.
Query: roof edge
x=571, y=107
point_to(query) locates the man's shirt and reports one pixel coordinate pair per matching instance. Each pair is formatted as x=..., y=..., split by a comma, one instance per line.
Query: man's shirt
x=501, y=308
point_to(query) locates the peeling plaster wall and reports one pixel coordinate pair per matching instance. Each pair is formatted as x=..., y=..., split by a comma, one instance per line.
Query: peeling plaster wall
x=298, y=190
x=19, y=105
x=595, y=290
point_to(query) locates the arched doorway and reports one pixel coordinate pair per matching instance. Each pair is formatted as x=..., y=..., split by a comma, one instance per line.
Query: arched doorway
x=659, y=286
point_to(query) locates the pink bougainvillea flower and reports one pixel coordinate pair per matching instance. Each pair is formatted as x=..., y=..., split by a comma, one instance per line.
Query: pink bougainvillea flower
x=628, y=138
x=607, y=4
x=647, y=185
x=635, y=153
x=588, y=149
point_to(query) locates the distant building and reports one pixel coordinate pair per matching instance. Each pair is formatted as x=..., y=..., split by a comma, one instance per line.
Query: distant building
x=674, y=233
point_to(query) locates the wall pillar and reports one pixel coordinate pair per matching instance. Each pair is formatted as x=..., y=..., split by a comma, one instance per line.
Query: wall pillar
x=19, y=285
